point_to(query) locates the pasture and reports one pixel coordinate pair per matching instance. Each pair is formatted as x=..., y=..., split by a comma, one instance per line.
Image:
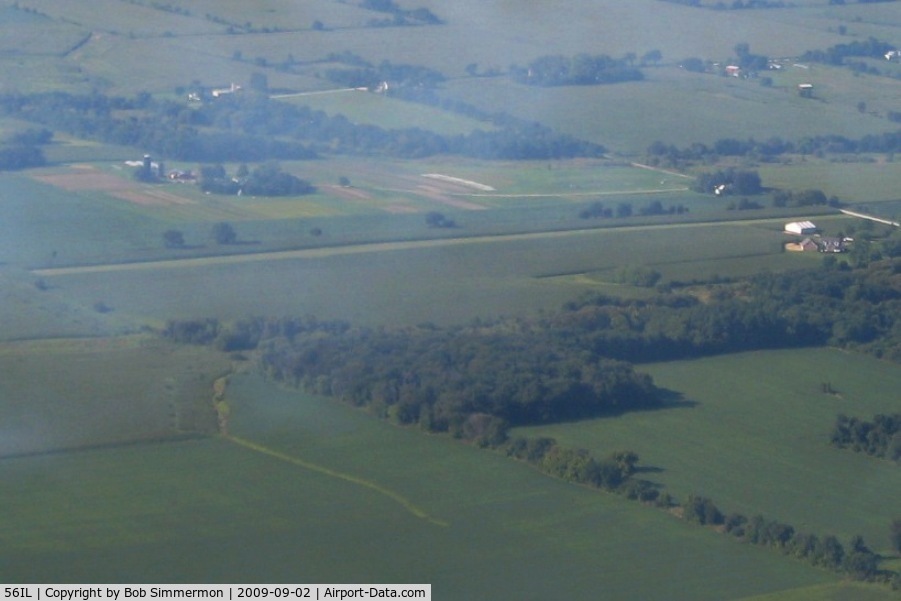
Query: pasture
x=218, y=511
x=752, y=434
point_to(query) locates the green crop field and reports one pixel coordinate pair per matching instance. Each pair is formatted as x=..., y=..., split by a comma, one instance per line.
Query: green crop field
x=753, y=435
x=873, y=183
x=70, y=393
x=443, y=281
x=386, y=112
x=234, y=513
x=109, y=470
x=629, y=117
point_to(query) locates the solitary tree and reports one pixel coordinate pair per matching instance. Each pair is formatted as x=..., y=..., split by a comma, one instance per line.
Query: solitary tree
x=224, y=233
x=896, y=535
x=173, y=239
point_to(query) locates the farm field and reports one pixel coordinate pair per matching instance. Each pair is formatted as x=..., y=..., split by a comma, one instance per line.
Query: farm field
x=94, y=213
x=386, y=112
x=494, y=35
x=874, y=184
x=442, y=281
x=111, y=464
x=70, y=393
x=708, y=104
x=228, y=512
x=753, y=435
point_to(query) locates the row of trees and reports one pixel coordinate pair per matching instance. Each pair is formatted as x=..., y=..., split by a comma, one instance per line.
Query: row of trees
x=400, y=16
x=858, y=561
x=880, y=437
x=253, y=128
x=579, y=70
x=370, y=76
x=598, y=210
x=770, y=149
x=838, y=54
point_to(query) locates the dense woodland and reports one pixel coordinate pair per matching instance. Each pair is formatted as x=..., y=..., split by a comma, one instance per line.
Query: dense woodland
x=880, y=437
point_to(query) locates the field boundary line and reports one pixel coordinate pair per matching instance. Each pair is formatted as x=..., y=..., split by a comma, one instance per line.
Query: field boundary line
x=406, y=503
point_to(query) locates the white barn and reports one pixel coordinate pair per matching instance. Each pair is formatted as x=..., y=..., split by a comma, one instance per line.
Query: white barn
x=801, y=228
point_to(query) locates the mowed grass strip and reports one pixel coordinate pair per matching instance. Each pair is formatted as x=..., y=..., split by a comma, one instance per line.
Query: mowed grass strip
x=753, y=435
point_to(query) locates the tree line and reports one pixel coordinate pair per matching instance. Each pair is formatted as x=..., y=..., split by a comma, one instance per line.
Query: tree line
x=598, y=210
x=250, y=127
x=370, y=76
x=838, y=54
x=579, y=70
x=661, y=154
x=399, y=16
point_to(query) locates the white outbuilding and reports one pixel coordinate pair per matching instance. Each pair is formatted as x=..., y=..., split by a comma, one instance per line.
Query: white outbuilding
x=801, y=228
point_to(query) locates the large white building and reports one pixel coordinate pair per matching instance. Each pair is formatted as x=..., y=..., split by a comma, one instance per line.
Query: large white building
x=801, y=228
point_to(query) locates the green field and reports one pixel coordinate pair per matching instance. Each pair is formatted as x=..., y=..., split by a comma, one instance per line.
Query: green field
x=449, y=281
x=110, y=469
x=218, y=509
x=874, y=184
x=72, y=393
x=388, y=113
x=753, y=435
